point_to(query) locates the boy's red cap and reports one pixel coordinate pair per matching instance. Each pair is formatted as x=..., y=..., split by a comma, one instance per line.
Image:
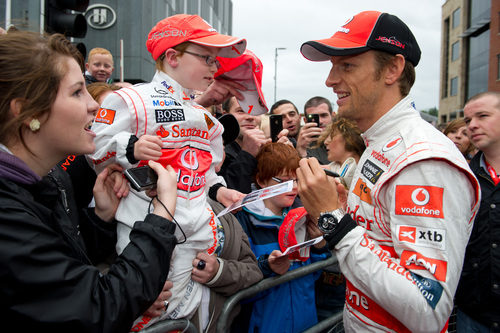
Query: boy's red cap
x=246, y=70
x=293, y=231
x=180, y=28
x=369, y=30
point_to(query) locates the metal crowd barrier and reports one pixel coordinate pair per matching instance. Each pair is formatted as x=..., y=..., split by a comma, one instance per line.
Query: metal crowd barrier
x=222, y=324
x=332, y=324
x=180, y=325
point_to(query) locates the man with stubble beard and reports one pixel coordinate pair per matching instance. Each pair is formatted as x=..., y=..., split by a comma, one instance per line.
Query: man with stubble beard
x=401, y=231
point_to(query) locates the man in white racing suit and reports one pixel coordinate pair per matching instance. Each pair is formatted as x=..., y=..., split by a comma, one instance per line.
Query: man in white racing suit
x=400, y=238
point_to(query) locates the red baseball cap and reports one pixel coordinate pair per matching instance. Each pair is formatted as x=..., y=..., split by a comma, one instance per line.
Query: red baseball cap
x=369, y=30
x=293, y=231
x=246, y=70
x=180, y=28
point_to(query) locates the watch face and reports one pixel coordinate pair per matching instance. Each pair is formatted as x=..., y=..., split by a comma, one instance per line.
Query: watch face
x=327, y=223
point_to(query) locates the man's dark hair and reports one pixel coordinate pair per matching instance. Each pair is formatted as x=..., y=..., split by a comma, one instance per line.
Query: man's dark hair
x=315, y=101
x=281, y=102
x=226, y=105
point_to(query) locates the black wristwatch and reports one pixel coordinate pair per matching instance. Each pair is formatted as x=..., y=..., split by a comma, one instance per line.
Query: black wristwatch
x=328, y=221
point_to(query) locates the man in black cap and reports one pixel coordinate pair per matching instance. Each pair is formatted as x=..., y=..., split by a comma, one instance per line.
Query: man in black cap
x=400, y=233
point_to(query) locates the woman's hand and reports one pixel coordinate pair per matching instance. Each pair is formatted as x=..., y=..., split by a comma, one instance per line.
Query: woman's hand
x=166, y=190
x=279, y=265
x=109, y=188
x=159, y=306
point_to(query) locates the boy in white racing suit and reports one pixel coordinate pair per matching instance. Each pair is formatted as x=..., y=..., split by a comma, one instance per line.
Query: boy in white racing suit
x=161, y=121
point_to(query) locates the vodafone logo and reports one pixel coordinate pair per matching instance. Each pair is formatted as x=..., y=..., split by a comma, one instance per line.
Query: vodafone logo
x=420, y=197
x=189, y=159
x=426, y=201
x=105, y=116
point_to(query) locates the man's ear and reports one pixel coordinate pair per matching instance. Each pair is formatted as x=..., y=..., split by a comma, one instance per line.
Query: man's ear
x=394, y=69
x=171, y=57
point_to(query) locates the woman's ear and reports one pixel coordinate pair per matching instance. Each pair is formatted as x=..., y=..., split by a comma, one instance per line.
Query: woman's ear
x=172, y=57
x=15, y=106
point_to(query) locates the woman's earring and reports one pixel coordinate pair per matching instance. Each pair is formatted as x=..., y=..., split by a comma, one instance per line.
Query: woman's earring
x=34, y=125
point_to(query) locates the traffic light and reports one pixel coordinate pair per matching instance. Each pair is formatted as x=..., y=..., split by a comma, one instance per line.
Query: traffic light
x=60, y=18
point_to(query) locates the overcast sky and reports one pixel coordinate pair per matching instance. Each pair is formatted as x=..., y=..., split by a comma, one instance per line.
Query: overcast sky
x=268, y=24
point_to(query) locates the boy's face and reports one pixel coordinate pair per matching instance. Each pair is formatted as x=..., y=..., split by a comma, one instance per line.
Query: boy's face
x=100, y=66
x=193, y=72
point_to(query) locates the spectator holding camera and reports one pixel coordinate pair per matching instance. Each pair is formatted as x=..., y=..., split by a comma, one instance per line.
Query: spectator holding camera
x=48, y=280
x=313, y=127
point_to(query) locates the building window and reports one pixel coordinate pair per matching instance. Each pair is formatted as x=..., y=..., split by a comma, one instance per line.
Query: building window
x=455, y=18
x=478, y=63
x=455, y=51
x=445, y=59
x=454, y=86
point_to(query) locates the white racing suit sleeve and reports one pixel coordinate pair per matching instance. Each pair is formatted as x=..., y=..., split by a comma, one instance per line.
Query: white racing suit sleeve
x=406, y=280
x=112, y=126
x=217, y=150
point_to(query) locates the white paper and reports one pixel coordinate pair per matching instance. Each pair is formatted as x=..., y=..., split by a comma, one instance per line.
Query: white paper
x=261, y=194
x=302, y=245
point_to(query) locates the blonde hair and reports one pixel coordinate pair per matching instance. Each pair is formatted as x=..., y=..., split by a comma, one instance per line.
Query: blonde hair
x=179, y=48
x=99, y=50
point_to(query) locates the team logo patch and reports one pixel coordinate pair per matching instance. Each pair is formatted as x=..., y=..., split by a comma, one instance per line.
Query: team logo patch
x=415, y=261
x=426, y=201
x=429, y=288
x=394, y=142
x=169, y=115
x=420, y=236
x=105, y=116
x=209, y=122
x=362, y=191
x=371, y=171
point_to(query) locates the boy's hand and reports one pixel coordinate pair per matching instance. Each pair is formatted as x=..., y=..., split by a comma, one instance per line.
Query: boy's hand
x=148, y=147
x=279, y=265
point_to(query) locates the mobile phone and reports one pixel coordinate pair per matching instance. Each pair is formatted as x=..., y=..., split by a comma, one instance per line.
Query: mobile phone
x=313, y=118
x=276, y=125
x=141, y=178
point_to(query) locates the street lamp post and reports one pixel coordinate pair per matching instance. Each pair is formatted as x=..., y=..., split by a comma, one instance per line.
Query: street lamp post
x=276, y=68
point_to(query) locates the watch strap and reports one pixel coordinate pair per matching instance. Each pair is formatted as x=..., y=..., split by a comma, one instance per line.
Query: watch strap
x=345, y=225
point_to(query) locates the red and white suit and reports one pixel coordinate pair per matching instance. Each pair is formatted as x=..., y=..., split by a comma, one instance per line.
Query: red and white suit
x=192, y=144
x=413, y=198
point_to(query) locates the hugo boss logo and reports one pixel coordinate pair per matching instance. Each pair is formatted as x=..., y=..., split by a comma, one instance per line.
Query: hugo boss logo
x=169, y=115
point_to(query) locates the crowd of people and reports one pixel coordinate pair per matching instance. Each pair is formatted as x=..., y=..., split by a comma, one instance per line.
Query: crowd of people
x=409, y=212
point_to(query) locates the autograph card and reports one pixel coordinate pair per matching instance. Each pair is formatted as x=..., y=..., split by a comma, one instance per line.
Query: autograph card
x=261, y=194
x=304, y=245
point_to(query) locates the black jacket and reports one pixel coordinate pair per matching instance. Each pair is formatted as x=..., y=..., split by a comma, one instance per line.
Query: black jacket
x=47, y=280
x=478, y=293
x=238, y=169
